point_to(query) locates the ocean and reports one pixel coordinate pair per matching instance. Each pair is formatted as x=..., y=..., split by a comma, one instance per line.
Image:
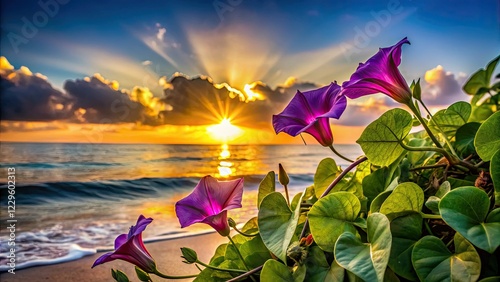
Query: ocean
x=72, y=200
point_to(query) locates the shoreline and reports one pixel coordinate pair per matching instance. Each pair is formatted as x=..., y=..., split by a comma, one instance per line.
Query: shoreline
x=166, y=253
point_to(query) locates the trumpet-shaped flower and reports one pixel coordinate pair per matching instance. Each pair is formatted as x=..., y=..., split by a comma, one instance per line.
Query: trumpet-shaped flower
x=209, y=203
x=380, y=74
x=129, y=247
x=309, y=112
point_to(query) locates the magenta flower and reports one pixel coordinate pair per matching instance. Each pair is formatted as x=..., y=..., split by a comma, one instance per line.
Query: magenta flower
x=380, y=74
x=309, y=112
x=209, y=203
x=129, y=247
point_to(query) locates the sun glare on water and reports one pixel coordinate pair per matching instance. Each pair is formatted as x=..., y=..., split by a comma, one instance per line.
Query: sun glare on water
x=224, y=131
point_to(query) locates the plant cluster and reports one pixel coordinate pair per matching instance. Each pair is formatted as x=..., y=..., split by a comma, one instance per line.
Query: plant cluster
x=422, y=204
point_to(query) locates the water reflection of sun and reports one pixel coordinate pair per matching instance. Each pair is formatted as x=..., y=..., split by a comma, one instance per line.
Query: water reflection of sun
x=225, y=166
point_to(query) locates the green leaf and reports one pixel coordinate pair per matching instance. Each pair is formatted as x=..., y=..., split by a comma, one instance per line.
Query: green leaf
x=378, y=181
x=449, y=120
x=318, y=268
x=464, y=139
x=406, y=197
x=218, y=257
x=367, y=261
x=487, y=141
x=275, y=271
x=495, y=175
x=277, y=223
x=378, y=201
x=418, y=157
x=481, y=78
x=255, y=252
x=432, y=202
x=416, y=90
x=266, y=187
x=406, y=231
x=434, y=262
x=380, y=139
x=465, y=209
x=326, y=172
x=331, y=216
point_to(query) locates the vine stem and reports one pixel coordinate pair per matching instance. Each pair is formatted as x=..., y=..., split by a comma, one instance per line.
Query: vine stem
x=217, y=268
x=431, y=216
x=424, y=124
x=339, y=154
x=158, y=273
x=255, y=270
x=330, y=187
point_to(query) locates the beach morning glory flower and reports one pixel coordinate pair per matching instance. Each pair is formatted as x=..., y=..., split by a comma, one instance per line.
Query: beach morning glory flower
x=310, y=111
x=209, y=203
x=129, y=247
x=380, y=74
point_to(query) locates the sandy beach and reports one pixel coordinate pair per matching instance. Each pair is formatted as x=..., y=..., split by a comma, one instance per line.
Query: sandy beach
x=166, y=253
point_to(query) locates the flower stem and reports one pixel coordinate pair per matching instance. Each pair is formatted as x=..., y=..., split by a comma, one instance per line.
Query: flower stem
x=220, y=269
x=158, y=273
x=330, y=187
x=340, y=155
x=239, y=254
x=424, y=124
x=431, y=216
x=440, y=130
x=243, y=233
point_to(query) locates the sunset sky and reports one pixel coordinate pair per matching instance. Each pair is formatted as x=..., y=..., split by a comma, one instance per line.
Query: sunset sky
x=170, y=71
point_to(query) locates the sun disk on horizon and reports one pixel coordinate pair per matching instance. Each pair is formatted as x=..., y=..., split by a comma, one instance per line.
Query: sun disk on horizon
x=224, y=131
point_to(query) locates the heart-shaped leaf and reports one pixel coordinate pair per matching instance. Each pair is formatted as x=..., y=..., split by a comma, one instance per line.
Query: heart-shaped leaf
x=495, y=175
x=449, y=120
x=406, y=231
x=254, y=252
x=277, y=223
x=487, y=141
x=464, y=139
x=380, y=139
x=481, y=78
x=326, y=172
x=434, y=262
x=331, y=216
x=406, y=197
x=266, y=187
x=367, y=261
x=275, y=271
x=318, y=268
x=465, y=209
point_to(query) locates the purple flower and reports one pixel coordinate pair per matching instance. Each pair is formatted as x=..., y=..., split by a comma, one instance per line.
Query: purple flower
x=380, y=74
x=129, y=247
x=209, y=203
x=309, y=112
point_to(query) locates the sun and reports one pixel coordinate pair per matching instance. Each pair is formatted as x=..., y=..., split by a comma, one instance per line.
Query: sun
x=224, y=131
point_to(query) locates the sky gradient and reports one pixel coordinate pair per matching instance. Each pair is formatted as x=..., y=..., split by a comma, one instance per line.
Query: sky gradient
x=165, y=71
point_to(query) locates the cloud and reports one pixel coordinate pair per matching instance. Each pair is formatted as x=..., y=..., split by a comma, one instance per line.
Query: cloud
x=161, y=33
x=97, y=100
x=442, y=87
x=30, y=97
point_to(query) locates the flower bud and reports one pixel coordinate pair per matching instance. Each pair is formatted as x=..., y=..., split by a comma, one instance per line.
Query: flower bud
x=119, y=276
x=231, y=222
x=142, y=275
x=189, y=255
x=283, y=176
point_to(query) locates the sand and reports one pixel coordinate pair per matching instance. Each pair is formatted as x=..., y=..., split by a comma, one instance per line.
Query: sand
x=166, y=253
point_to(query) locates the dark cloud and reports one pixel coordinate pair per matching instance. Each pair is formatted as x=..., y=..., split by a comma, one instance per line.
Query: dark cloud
x=198, y=101
x=29, y=97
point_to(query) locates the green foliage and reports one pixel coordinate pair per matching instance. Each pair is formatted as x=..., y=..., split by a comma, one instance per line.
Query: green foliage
x=367, y=261
x=119, y=276
x=465, y=209
x=487, y=141
x=267, y=186
x=448, y=121
x=495, y=175
x=331, y=216
x=479, y=82
x=277, y=223
x=434, y=262
x=381, y=139
x=326, y=172
x=275, y=271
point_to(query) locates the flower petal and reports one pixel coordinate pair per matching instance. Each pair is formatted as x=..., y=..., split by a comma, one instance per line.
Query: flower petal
x=120, y=240
x=142, y=223
x=219, y=223
x=380, y=73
